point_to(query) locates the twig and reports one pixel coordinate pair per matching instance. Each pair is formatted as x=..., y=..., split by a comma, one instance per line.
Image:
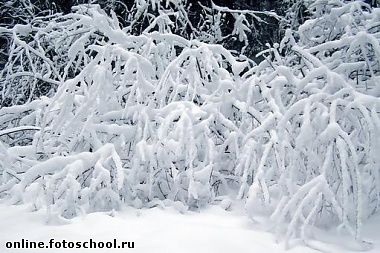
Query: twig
x=18, y=129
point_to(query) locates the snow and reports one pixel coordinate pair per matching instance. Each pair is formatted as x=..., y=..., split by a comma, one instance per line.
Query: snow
x=158, y=120
x=16, y=129
x=162, y=230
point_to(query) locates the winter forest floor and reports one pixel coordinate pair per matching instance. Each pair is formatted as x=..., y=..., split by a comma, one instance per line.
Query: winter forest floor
x=156, y=230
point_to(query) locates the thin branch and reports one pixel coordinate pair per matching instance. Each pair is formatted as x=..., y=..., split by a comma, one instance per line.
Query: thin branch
x=18, y=129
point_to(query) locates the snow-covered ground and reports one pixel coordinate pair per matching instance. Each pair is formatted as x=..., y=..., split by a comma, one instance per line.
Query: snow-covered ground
x=157, y=230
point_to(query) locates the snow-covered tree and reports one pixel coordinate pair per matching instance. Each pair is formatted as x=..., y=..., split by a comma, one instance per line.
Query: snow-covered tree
x=133, y=119
x=148, y=117
x=315, y=153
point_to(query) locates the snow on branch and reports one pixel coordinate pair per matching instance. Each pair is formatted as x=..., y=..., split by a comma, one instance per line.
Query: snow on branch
x=158, y=119
x=17, y=129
